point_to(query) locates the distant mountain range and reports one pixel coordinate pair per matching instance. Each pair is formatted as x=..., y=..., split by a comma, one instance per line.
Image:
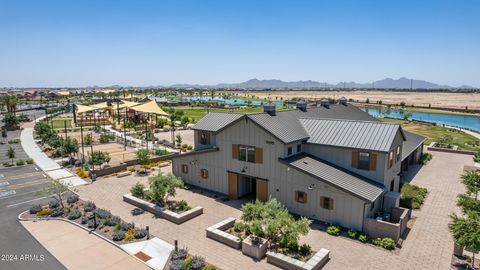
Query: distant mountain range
x=256, y=84
x=388, y=83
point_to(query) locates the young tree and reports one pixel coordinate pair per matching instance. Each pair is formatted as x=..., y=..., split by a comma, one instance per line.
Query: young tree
x=184, y=121
x=69, y=147
x=87, y=139
x=98, y=158
x=407, y=116
x=10, y=119
x=143, y=156
x=273, y=221
x=471, y=180
x=466, y=231
x=11, y=153
x=162, y=186
x=57, y=189
x=179, y=139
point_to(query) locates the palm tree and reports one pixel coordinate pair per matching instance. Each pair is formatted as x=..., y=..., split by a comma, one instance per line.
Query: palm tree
x=10, y=103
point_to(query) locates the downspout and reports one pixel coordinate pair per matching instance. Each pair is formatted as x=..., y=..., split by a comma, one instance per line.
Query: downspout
x=363, y=217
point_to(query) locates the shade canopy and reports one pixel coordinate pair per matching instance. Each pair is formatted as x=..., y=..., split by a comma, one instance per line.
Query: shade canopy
x=128, y=104
x=84, y=109
x=149, y=107
x=63, y=93
x=102, y=105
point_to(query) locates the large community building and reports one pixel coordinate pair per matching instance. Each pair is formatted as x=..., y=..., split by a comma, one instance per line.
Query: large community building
x=331, y=162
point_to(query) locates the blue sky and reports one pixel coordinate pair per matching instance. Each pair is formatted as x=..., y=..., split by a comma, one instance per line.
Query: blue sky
x=80, y=43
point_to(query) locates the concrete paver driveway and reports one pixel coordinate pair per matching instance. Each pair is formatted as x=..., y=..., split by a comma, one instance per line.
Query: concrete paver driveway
x=75, y=248
x=429, y=244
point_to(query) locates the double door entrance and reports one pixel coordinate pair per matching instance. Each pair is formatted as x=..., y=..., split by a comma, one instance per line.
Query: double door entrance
x=240, y=185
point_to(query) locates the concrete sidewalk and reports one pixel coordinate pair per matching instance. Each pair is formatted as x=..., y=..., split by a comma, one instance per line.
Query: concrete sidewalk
x=46, y=164
x=75, y=248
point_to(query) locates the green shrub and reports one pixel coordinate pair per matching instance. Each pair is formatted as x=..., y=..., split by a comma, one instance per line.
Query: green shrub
x=334, y=230
x=292, y=246
x=29, y=161
x=184, y=145
x=14, y=141
x=35, y=209
x=89, y=207
x=305, y=250
x=44, y=212
x=476, y=158
x=138, y=190
x=352, y=233
x=239, y=227
x=73, y=198
x=426, y=157
x=362, y=238
x=104, y=138
x=377, y=241
x=20, y=162
x=412, y=196
x=161, y=152
x=183, y=206
x=189, y=147
x=388, y=243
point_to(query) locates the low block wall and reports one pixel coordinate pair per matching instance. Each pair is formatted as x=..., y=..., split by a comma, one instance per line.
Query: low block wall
x=432, y=147
x=217, y=233
x=316, y=262
x=379, y=228
x=123, y=167
x=162, y=212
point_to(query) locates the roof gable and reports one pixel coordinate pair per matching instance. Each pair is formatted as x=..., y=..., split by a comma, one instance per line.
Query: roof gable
x=217, y=121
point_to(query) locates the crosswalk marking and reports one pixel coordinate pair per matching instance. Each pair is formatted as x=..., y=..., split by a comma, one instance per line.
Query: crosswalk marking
x=7, y=193
x=2, y=184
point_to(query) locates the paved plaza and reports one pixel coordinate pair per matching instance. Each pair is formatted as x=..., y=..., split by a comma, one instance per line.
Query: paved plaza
x=429, y=244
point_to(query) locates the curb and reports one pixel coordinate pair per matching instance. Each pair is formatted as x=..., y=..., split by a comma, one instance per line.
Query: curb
x=20, y=218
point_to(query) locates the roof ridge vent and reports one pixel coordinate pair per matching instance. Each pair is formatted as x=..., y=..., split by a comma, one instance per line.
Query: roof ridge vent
x=343, y=101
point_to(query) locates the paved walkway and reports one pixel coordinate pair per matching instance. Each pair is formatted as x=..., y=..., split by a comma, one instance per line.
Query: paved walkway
x=429, y=244
x=46, y=164
x=469, y=132
x=75, y=248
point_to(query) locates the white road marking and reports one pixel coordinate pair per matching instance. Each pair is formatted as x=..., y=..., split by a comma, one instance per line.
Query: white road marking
x=15, y=204
x=7, y=193
x=2, y=184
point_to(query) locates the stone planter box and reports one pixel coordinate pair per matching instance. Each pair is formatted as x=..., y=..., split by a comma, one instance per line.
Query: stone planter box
x=256, y=251
x=316, y=262
x=162, y=212
x=217, y=233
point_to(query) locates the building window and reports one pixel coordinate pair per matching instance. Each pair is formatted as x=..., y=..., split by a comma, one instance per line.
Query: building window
x=300, y=197
x=390, y=159
x=398, y=153
x=203, y=138
x=326, y=203
x=299, y=148
x=392, y=185
x=372, y=206
x=289, y=151
x=184, y=168
x=204, y=173
x=246, y=153
x=363, y=161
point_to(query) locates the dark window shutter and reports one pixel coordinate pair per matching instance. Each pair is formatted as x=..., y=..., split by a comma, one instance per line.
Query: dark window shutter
x=258, y=155
x=199, y=136
x=373, y=162
x=330, y=204
x=354, y=159
x=235, y=151
x=207, y=137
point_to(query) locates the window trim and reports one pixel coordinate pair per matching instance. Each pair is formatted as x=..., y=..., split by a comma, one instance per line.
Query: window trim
x=303, y=195
x=324, y=199
x=398, y=153
x=289, y=151
x=247, y=149
x=204, y=173
x=185, y=168
x=299, y=148
x=360, y=161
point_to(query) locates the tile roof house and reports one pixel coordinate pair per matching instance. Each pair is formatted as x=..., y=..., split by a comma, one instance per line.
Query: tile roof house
x=333, y=163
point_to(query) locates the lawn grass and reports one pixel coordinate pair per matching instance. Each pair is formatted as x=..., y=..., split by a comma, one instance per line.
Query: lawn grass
x=59, y=123
x=198, y=113
x=434, y=133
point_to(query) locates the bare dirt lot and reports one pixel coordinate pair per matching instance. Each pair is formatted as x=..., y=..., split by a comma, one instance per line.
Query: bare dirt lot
x=436, y=99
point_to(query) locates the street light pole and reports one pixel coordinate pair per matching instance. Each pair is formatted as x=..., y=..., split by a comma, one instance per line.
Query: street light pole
x=81, y=138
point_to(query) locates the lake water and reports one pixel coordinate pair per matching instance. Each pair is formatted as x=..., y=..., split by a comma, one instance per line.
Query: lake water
x=239, y=102
x=457, y=120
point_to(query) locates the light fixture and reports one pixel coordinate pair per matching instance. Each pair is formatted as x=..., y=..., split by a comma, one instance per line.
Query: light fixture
x=311, y=187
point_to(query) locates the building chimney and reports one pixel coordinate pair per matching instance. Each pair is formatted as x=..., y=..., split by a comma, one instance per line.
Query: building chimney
x=325, y=103
x=302, y=106
x=269, y=108
x=343, y=101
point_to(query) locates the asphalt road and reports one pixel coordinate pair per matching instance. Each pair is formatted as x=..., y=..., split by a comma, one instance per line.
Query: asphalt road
x=20, y=187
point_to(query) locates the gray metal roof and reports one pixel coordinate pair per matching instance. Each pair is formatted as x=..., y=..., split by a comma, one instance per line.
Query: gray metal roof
x=412, y=142
x=216, y=121
x=367, y=135
x=283, y=126
x=356, y=185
